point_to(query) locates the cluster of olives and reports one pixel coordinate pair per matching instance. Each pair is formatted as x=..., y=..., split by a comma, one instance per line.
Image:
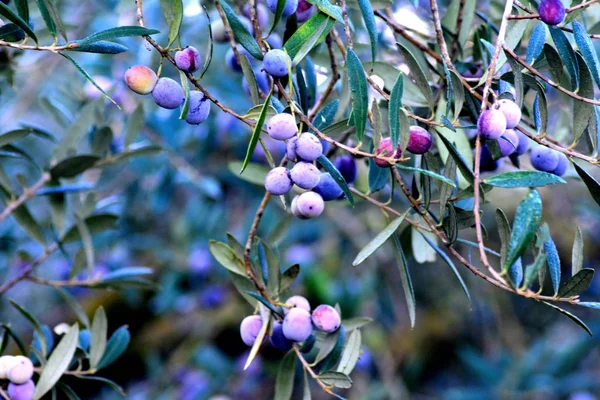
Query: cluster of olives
x=168, y=93
x=19, y=371
x=419, y=142
x=297, y=324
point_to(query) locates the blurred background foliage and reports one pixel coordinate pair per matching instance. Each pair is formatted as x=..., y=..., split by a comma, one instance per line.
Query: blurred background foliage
x=185, y=338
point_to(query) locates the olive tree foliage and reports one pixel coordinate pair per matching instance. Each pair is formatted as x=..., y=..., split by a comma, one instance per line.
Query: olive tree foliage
x=436, y=197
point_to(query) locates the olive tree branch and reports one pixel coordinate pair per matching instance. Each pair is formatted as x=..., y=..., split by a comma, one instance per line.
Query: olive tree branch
x=29, y=268
x=306, y=366
x=477, y=167
x=26, y=195
x=459, y=22
x=334, y=78
x=346, y=24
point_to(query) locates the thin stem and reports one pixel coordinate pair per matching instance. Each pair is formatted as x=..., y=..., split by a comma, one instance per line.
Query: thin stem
x=312, y=373
x=477, y=167
x=459, y=21
x=29, y=269
x=346, y=24
x=335, y=76
x=26, y=195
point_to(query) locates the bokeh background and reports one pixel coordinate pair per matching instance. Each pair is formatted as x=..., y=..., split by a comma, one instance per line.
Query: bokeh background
x=185, y=336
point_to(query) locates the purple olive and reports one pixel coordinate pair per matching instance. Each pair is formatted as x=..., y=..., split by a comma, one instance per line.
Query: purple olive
x=511, y=112
x=419, y=141
x=552, y=12
x=276, y=63
x=347, y=167
x=491, y=124
x=24, y=391
x=297, y=325
x=308, y=147
x=278, y=339
x=250, y=328
x=326, y=318
x=563, y=164
x=523, y=145
x=544, y=159
x=328, y=188
x=188, y=59
x=386, y=150
x=278, y=181
x=168, y=94
x=508, y=142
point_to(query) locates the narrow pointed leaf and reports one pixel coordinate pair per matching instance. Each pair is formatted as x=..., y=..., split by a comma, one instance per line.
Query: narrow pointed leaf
x=10, y=15
x=380, y=239
x=525, y=225
x=241, y=34
x=577, y=284
x=567, y=55
x=570, y=316
x=367, y=13
x=517, y=179
x=535, y=46
x=577, y=254
x=337, y=177
x=359, y=93
x=587, y=49
x=394, y=111
x=407, y=286
x=284, y=383
x=256, y=133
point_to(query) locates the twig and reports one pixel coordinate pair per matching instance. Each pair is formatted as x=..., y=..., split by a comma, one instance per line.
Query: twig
x=476, y=172
x=459, y=21
x=308, y=369
x=26, y=195
x=346, y=24
x=27, y=270
x=335, y=76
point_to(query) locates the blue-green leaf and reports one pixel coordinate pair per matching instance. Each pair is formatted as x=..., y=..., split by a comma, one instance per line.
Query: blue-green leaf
x=99, y=47
x=241, y=34
x=577, y=284
x=116, y=345
x=359, y=93
x=428, y=173
x=278, y=13
x=418, y=75
x=394, y=110
x=458, y=158
x=517, y=179
x=535, y=46
x=378, y=177
x=379, y=239
x=588, y=51
x=553, y=263
x=567, y=55
x=120, y=31
x=367, y=12
x=326, y=115
x=173, y=11
x=9, y=14
x=525, y=225
x=570, y=316
x=326, y=7
x=284, y=383
x=407, y=287
x=591, y=183
x=337, y=176
x=257, y=131
x=310, y=34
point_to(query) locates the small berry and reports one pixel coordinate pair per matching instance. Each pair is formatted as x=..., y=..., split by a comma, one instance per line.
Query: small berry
x=22, y=371
x=328, y=188
x=219, y=33
x=523, y=145
x=6, y=363
x=21, y=392
x=295, y=211
x=310, y=204
x=289, y=9
x=544, y=159
x=282, y=126
x=511, y=112
x=168, y=94
x=326, y=318
x=278, y=339
x=188, y=59
x=140, y=79
x=278, y=181
x=276, y=63
x=563, y=164
x=347, y=167
x=275, y=41
x=199, y=108
x=508, y=142
x=297, y=325
x=262, y=14
x=419, y=141
x=305, y=175
x=552, y=12
x=249, y=329
x=487, y=162
x=386, y=150
x=297, y=302
x=304, y=11
x=308, y=147
x=491, y=124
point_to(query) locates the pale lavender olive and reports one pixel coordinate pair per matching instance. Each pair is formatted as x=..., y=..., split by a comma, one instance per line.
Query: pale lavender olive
x=297, y=325
x=297, y=302
x=262, y=14
x=523, y=145
x=328, y=188
x=199, y=108
x=295, y=211
x=419, y=141
x=219, y=33
x=563, y=164
x=544, y=159
x=304, y=11
x=249, y=329
x=310, y=204
x=511, y=111
x=308, y=147
x=188, y=59
x=552, y=12
x=278, y=181
x=22, y=371
x=289, y=8
x=282, y=126
x=276, y=63
x=347, y=167
x=386, y=150
x=326, y=318
x=491, y=124
x=275, y=41
x=168, y=94
x=232, y=62
x=278, y=339
x=6, y=363
x=24, y=391
x=290, y=149
x=508, y=142
x=305, y=175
